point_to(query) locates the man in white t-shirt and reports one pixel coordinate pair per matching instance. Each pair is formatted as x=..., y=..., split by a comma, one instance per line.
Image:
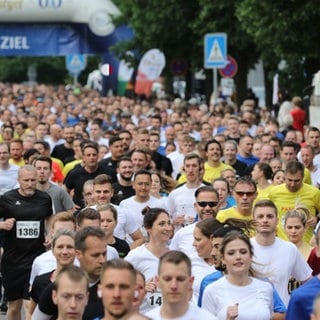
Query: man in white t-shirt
x=135, y=204
x=8, y=172
x=181, y=200
x=126, y=225
x=175, y=281
x=275, y=258
x=206, y=206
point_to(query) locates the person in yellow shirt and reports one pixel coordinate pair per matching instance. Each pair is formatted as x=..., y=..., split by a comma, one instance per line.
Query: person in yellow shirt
x=213, y=167
x=262, y=174
x=16, y=152
x=288, y=153
x=245, y=192
x=295, y=192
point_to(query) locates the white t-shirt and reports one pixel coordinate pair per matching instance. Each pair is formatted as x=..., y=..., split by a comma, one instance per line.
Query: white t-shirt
x=47, y=262
x=177, y=162
x=255, y=299
x=144, y=261
x=181, y=202
x=200, y=269
x=134, y=207
x=8, y=178
x=193, y=313
x=279, y=262
x=183, y=240
x=126, y=223
x=44, y=263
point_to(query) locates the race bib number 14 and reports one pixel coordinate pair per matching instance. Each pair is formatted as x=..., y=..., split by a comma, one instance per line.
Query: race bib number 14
x=28, y=229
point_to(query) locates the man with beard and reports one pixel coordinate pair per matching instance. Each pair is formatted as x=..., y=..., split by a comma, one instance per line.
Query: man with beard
x=206, y=206
x=59, y=196
x=25, y=211
x=116, y=150
x=65, y=150
x=123, y=189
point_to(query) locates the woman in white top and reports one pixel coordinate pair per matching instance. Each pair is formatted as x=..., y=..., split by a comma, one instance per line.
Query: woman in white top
x=202, y=260
x=145, y=258
x=238, y=295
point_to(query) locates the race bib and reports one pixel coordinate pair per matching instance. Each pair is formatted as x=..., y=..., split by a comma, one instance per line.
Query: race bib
x=154, y=299
x=28, y=229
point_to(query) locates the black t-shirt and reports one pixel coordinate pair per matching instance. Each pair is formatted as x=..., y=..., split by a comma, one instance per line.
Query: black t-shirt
x=25, y=240
x=78, y=176
x=121, y=246
x=93, y=309
x=121, y=192
x=62, y=153
x=162, y=163
x=39, y=285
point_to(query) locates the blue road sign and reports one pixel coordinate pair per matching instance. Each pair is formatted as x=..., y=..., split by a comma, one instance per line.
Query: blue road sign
x=215, y=50
x=75, y=63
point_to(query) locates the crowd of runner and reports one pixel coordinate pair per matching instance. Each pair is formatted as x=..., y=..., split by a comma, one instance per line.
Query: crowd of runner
x=119, y=207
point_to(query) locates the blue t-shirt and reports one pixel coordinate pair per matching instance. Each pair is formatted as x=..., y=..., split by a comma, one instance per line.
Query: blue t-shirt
x=300, y=303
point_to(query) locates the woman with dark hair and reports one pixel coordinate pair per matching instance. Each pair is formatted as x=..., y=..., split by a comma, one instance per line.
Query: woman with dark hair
x=145, y=258
x=238, y=295
x=202, y=261
x=278, y=177
x=262, y=174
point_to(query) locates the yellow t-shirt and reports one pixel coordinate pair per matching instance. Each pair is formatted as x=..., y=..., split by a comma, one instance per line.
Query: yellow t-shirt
x=17, y=163
x=307, y=176
x=211, y=173
x=263, y=193
x=285, y=200
x=69, y=166
x=233, y=213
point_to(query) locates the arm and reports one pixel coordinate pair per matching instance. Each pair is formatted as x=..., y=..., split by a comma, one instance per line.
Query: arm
x=137, y=238
x=278, y=316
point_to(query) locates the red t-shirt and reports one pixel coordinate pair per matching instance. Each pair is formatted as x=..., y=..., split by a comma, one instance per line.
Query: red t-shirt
x=299, y=118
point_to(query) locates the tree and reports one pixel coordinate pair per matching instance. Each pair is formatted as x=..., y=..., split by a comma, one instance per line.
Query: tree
x=285, y=30
x=177, y=27
x=220, y=16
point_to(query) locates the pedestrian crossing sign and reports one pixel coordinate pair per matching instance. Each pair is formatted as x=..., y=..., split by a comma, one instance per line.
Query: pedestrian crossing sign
x=215, y=50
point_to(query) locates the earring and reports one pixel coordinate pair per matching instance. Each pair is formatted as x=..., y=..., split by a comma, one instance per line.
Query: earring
x=99, y=294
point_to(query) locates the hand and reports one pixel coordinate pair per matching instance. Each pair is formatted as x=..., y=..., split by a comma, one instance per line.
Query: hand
x=312, y=222
x=232, y=312
x=8, y=224
x=151, y=285
x=47, y=242
x=178, y=220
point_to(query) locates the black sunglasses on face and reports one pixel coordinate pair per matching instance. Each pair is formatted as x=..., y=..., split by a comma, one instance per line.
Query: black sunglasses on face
x=242, y=193
x=211, y=204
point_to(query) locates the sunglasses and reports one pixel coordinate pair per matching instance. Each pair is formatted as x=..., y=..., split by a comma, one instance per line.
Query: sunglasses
x=242, y=193
x=211, y=204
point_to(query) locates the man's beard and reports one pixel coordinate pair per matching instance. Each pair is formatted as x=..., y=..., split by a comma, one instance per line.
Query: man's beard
x=126, y=178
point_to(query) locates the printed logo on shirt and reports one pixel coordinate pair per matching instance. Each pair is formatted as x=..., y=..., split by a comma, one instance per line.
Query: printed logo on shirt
x=18, y=203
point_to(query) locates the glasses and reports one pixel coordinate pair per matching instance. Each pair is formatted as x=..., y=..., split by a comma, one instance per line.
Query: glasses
x=242, y=193
x=211, y=204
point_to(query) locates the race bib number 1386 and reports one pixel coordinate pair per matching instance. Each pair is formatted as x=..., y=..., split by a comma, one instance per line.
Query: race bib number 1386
x=28, y=229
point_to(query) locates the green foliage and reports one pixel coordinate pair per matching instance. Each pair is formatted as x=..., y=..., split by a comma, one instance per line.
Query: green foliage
x=285, y=30
x=50, y=70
